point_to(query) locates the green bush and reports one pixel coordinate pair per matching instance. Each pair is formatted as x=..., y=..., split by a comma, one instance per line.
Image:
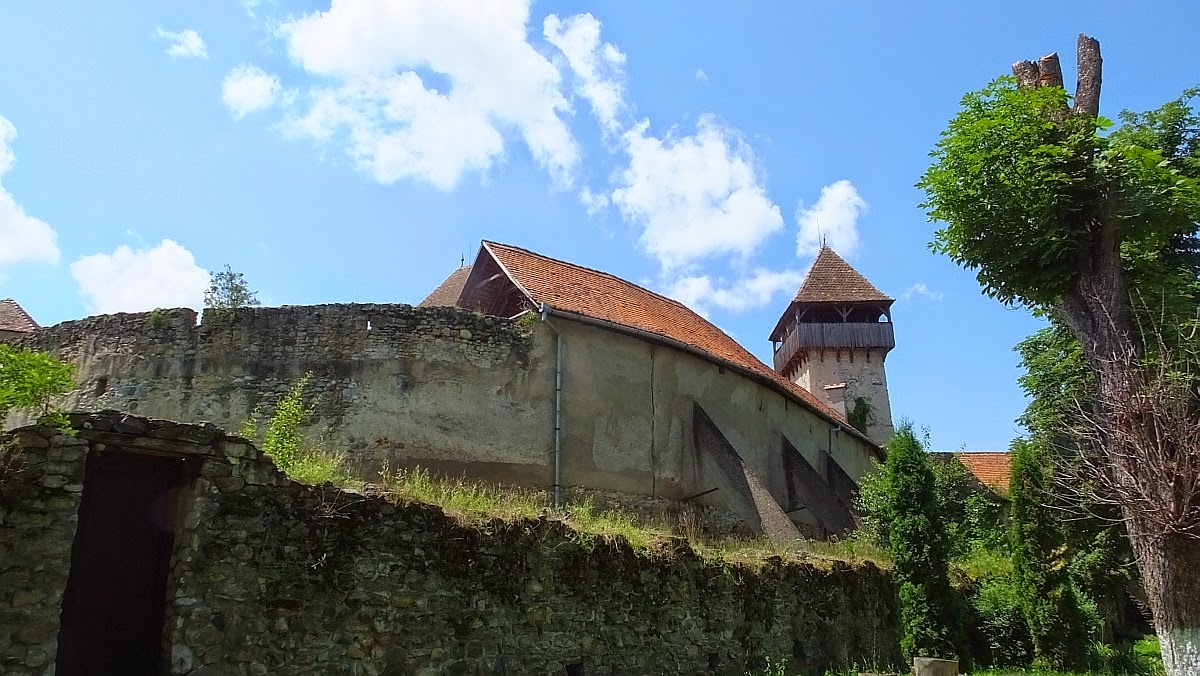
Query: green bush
x=284, y=438
x=1002, y=633
x=1051, y=603
x=920, y=551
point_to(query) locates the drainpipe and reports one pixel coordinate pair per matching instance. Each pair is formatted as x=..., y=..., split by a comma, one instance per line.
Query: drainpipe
x=557, y=406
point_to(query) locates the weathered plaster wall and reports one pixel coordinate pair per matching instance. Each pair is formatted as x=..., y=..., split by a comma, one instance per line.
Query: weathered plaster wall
x=453, y=391
x=629, y=411
x=269, y=576
x=864, y=374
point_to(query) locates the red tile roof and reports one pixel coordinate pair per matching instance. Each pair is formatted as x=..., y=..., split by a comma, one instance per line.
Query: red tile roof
x=832, y=280
x=992, y=468
x=14, y=318
x=446, y=295
x=583, y=291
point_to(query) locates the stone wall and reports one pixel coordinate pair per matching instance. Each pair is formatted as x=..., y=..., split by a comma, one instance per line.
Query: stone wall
x=40, y=488
x=462, y=394
x=270, y=576
x=389, y=382
x=864, y=375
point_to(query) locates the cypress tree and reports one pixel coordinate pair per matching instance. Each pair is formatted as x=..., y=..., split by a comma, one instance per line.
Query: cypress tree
x=1048, y=600
x=920, y=550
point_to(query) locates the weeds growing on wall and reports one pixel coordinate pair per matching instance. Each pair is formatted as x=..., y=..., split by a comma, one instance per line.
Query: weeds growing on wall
x=302, y=459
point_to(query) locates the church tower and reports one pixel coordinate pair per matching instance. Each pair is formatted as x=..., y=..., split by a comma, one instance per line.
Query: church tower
x=832, y=340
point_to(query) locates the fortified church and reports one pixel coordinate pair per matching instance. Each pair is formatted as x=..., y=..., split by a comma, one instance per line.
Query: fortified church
x=520, y=368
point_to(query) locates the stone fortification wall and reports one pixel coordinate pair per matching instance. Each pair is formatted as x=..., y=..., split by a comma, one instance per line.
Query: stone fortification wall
x=460, y=393
x=270, y=576
x=389, y=382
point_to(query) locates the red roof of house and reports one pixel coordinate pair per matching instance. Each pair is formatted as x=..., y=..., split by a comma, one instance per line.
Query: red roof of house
x=14, y=318
x=992, y=468
x=583, y=291
x=832, y=280
x=446, y=295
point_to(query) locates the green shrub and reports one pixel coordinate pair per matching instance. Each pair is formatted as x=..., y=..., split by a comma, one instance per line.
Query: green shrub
x=1000, y=621
x=284, y=438
x=1051, y=604
x=920, y=551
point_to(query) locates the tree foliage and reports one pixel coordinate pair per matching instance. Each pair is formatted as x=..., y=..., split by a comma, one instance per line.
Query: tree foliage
x=31, y=381
x=1049, y=601
x=1019, y=187
x=228, y=289
x=285, y=436
x=920, y=550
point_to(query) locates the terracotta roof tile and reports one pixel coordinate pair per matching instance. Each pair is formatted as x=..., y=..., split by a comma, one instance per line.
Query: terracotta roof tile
x=446, y=295
x=992, y=468
x=566, y=286
x=14, y=318
x=831, y=279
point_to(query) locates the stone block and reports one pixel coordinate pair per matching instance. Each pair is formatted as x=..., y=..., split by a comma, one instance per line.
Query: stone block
x=932, y=666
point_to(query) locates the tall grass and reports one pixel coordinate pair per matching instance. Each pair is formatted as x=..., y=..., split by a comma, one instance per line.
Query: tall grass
x=475, y=501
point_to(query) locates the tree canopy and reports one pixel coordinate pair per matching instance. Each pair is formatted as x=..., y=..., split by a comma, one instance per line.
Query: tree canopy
x=228, y=289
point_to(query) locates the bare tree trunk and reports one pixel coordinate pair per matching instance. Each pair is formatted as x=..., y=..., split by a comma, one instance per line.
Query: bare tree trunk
x=1138, y=441
x=1170, y=566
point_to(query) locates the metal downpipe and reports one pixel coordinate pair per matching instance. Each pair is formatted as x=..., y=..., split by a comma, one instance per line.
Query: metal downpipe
x=558, y=369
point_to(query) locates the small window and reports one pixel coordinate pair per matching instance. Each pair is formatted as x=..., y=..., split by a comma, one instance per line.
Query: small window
x=101, y=386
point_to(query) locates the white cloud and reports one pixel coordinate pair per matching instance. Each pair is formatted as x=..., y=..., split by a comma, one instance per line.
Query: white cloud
x=834, y=217
x=129, y=280
x=758, y=289
x=248, y=89
x=22, y=237
x=701, y=76
x=593, y=202
x=186, y=44
x=919, y=289
x=695, y=196
x=426, y=89
x=599, y=66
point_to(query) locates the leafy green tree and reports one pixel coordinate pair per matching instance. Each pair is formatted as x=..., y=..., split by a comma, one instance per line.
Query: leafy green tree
x=1039, y=553
x=31, y=381
x=1053, y=214
x=228, y=289
x=920, y=550
x=973, y=516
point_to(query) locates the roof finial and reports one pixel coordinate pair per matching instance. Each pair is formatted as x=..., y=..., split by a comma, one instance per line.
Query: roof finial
x=462, y=260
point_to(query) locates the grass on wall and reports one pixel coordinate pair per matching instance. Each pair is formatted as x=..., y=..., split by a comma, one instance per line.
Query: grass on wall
x=477, y=502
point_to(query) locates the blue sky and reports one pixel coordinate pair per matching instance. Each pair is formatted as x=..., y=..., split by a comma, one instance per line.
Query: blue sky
x=353, y=152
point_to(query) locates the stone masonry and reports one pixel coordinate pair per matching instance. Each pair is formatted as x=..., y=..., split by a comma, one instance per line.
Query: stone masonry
x=270, y=576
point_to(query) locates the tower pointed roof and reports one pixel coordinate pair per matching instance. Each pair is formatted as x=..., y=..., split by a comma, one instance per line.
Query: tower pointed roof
x=832, y=280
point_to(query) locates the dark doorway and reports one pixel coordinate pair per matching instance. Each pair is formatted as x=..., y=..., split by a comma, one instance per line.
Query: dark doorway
x=114, y=603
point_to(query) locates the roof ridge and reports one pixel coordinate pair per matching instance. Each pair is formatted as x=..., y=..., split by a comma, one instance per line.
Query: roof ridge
x=599, y=272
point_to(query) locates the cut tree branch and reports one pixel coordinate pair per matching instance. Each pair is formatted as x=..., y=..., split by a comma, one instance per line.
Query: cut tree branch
x=1087, y=88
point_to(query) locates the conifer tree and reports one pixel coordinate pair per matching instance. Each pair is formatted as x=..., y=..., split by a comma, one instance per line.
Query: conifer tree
x=920, y=550
x=1050, y=604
